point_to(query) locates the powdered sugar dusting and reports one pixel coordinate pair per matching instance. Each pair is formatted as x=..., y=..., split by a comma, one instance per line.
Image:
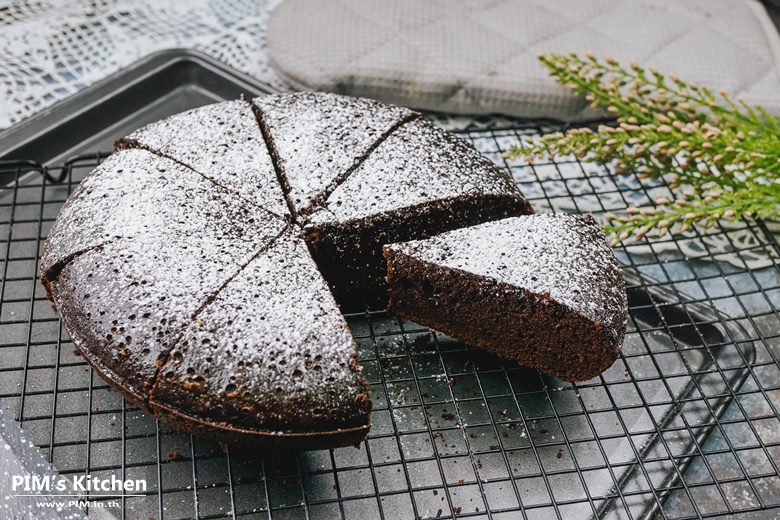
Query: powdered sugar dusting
x=127, y=301
x=221, y=141
x=416, y=164
x=135, y=193
x=280, y=343
x=566, y=256
x=320, y=136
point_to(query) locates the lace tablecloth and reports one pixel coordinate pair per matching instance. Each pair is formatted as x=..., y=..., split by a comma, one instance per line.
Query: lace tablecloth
x=51, y=49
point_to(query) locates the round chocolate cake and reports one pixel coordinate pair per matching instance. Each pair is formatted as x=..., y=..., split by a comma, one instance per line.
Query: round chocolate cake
x=193, y=269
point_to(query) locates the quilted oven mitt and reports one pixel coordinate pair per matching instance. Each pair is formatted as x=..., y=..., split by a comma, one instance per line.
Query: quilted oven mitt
x=479, y=56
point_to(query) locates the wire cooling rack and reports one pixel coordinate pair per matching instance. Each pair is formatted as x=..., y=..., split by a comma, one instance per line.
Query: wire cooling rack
x=684, y=425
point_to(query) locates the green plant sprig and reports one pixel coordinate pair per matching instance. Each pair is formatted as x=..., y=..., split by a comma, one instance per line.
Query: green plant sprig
x=721, y=156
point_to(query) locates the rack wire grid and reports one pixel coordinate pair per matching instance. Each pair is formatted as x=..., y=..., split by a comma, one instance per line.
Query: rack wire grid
x=684, y=425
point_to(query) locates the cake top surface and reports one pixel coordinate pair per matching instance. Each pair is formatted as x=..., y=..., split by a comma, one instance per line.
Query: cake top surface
x=295, y=348
x=322, y=157
x=417, y=163
x=563, y=256
x=223, y=142
x=135, y=193
x=319, y=137
x=139, y=293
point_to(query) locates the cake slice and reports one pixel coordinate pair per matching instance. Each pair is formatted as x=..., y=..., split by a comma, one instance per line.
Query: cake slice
x=420, y=181
x=317, y=138
x=137, y=194
x=221, y=142
x=270, y=361
x=124, y=303
x=544, y=290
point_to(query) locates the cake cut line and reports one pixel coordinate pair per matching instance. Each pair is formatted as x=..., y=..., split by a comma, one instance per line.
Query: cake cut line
x=322, y=199
x=56, y=268
x=281, y=177
x=125, y=143
x=209, y=299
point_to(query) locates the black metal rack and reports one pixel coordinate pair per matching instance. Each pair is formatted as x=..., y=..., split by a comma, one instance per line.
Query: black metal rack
x=684, y=425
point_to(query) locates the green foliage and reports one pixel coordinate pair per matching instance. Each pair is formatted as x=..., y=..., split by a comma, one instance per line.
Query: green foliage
x=719, y=156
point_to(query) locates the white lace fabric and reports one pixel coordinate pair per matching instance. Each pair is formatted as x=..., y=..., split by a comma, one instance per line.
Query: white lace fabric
x=51, y=49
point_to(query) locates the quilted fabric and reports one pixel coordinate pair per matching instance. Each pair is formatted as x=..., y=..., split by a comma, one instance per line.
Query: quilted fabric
x=479, y=56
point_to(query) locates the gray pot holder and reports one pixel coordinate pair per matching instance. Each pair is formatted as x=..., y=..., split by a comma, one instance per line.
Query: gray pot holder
x=480, y=56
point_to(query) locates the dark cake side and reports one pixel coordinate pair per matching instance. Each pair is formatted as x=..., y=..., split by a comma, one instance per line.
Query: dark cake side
x=349, y=253
x=419, y=182
x=501, y=287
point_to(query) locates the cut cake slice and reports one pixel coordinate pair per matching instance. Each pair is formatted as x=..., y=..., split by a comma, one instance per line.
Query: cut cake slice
x=222, y=143
x=419, y=182
x=269, y=361
x=544, y=290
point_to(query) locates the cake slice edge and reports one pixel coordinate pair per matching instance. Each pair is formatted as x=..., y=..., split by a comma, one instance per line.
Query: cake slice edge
x=507, y=319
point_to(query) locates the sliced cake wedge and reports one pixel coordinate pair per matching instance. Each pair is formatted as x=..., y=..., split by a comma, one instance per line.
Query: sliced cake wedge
x=222, y=143
x=269, y=362
x=544, y=290
x=419, y=182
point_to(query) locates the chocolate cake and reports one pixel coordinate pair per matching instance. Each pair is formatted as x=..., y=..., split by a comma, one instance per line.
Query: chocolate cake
x=188, y=268
x=221, y=142
x=446, y=184
x=545, y=290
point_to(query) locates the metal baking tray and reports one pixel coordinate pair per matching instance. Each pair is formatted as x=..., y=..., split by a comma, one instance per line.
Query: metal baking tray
x=160, y=85
x=456, y=431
